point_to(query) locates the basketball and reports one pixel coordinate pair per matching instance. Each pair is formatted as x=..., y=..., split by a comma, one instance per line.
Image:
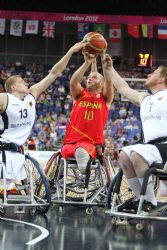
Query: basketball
x=95, y=43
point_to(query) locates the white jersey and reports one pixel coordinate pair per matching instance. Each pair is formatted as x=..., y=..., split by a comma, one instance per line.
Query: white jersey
x=18, y=119
x=153, y=113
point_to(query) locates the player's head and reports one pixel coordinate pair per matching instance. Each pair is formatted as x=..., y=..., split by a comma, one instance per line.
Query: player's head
x=95, y=81
x=16, y=84
x=157, y=78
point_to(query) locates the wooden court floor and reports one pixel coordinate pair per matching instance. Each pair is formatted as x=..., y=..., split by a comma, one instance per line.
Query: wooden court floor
x=71, y=228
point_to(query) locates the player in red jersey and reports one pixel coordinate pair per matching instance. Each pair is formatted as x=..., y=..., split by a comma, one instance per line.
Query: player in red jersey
x=90, y=111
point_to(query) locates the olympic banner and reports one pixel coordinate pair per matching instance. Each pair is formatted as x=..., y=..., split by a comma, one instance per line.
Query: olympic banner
x=83, y=18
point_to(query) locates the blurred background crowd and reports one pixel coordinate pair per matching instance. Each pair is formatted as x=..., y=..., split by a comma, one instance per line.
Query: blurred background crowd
x=31, y=53
x=53, y=108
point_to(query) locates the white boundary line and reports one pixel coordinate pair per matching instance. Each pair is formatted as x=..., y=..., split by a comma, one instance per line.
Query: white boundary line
x=44, y=232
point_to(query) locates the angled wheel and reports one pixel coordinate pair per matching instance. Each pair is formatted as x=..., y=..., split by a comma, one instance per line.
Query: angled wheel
x=109, y=168
x=40, y=184
x=52, y=168
x=125, y=191
x=75, y=182
x=110, y=192
x=78, y=186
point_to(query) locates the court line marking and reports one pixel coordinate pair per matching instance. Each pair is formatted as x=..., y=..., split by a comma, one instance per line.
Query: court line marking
x=44, y=231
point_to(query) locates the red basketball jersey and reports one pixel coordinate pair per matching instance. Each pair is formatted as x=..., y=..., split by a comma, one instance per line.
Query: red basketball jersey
x=88, y=118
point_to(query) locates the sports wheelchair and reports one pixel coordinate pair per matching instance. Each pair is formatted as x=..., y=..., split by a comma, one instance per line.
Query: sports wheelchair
x=68, y=187
x=114, y=202
x=31, y=195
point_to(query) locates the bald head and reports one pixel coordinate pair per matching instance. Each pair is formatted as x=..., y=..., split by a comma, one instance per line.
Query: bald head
x=95, y=82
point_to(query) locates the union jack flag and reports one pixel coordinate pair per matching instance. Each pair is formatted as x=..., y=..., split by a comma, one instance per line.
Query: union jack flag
x=83, y=29
x=48, y=29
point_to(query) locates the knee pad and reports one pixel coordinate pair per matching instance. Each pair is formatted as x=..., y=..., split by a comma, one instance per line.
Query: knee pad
x=82, y=158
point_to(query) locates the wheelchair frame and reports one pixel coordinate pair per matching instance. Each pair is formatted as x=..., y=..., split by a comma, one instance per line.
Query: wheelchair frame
x=122, y=218
x=57, y=167
x=36, y=195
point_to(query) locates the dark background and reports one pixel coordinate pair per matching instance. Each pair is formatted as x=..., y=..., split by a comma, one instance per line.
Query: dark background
x=112, y=7
x=36, y=48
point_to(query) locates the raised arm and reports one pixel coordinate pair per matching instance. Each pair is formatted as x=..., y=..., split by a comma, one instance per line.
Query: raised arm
x=75, y=85
x=122, y=87
x=108, y=89
x=56, y=70
x=94, y=65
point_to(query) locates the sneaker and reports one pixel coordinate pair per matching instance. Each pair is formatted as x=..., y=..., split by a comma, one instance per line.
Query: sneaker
x=148, y=206
x=129, y=206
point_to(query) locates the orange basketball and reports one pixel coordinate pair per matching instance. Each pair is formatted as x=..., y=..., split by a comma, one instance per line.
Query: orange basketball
x=95, y=43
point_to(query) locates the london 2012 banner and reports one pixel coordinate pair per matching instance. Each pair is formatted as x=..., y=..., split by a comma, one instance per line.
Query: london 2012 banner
x=86, y=18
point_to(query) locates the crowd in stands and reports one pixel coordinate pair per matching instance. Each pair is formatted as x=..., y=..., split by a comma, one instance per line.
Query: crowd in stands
x=54, y=106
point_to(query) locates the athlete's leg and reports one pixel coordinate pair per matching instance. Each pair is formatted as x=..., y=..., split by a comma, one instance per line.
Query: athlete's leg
x=82, y=158
x=128, y=170
x=140, y=166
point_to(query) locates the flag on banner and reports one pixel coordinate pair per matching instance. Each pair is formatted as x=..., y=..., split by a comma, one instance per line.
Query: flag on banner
x=100, y=28
x=83, y=29
x=48, y=29
x=31, y=27
x=115, y=33
x=16, y=27
x=2, y=26
x=147, y=30
x=133, y=30
x=162, y=31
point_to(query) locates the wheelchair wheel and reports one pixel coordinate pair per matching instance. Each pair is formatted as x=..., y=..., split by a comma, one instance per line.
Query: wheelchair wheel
x=51, y=169
x=74, y=192
x=109, y=168
x=75, y=182
x=76, y=186
x=40, y=184
x=110, y=192
x=125, y=191
x=156, y=184
x=92, y=182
